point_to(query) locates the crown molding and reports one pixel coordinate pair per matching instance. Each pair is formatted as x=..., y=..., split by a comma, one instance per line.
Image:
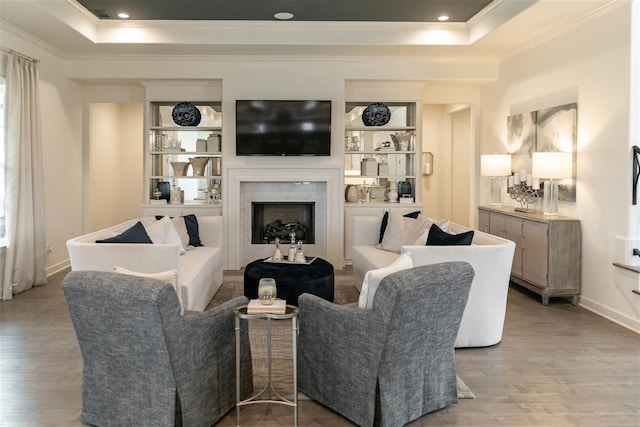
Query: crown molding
x=558, y=30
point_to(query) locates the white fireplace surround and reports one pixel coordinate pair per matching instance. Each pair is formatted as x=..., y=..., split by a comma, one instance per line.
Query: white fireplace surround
x=288, y=191
x=237, y=210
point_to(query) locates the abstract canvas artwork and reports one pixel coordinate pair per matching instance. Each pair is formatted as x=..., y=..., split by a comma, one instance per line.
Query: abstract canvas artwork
x=549, y=129
x=521, y=139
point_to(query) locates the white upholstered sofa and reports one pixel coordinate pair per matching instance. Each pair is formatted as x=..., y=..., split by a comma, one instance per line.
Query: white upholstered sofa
x=199, y=270
x=490, y=256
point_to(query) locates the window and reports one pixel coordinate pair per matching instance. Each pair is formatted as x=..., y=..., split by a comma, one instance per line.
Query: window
x=2, y=152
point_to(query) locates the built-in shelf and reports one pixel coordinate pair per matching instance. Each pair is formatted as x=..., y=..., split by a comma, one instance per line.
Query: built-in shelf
x=379, y=157
x=167, y=143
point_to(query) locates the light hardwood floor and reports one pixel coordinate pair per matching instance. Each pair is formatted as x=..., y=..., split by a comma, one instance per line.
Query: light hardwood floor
x=558, y=365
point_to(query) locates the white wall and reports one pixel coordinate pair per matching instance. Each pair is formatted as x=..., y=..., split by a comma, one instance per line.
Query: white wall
x=104, y=153
x=441, y=102
x=589, y=64
x=436, y=188
x=462, y=167
x=115, y=163
x=131, y=184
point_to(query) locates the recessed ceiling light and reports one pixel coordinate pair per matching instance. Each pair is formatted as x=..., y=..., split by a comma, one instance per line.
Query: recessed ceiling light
x=283, y=15
x=123, y=15
x=443, y=18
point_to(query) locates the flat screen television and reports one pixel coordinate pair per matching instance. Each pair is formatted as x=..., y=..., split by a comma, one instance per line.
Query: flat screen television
x=283, y=128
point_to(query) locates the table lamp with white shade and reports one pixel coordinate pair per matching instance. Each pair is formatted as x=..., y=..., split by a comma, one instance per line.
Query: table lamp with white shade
x=496, y=166
x=553, y=166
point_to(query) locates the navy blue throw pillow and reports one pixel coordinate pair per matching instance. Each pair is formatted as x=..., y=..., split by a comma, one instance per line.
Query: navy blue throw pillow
x=192, y=230
x=135, y=234
x=385, y=221
x=438, y=237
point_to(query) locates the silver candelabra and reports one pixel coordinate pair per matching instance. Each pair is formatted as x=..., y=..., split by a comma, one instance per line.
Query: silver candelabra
x=523, y=194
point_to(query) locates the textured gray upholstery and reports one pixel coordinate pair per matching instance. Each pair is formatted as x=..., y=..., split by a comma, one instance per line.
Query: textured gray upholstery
x=394, y=363
x=144, y=364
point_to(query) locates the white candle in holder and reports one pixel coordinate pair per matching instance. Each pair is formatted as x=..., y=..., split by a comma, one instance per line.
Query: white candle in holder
x=536, y=184
x=516, y=178
x=529, y=179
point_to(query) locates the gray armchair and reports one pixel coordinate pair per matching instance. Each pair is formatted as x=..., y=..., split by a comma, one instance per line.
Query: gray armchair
x=392, y=364
x=144, y=363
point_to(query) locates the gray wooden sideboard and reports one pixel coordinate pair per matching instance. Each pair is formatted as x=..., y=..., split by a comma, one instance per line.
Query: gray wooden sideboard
x=548, y=256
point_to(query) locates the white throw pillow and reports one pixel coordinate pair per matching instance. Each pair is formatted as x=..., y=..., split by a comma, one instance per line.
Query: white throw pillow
x=164, y=231
x=169, y=276
x=373, y=278
x=402, y=231
x=181, y=228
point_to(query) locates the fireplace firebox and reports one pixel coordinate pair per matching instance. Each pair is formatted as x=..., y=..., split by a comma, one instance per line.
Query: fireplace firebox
x=279, y=219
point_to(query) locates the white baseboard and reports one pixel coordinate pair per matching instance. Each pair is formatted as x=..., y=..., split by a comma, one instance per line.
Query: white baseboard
x=613, y=315
x=56, y=268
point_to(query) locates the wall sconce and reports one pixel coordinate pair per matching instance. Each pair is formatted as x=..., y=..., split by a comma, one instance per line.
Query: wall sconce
x=426, y=163
x=496, y=166
x=553, y=166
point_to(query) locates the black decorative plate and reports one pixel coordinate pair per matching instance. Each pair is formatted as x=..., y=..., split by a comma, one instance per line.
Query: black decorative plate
x=376, y=114
x=186, y=114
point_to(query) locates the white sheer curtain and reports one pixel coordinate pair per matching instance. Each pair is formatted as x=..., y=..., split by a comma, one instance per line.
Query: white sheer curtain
x=24, y=184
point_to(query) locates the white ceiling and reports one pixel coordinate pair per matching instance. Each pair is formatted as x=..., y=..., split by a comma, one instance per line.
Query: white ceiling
x=499, y=28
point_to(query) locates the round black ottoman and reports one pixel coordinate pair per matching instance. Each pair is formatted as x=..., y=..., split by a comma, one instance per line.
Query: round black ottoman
x=292, y=280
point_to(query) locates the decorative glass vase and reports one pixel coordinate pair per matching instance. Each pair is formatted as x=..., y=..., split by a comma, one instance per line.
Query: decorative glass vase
x=180, y=168
x=277, y=255
x=392, y=195
x=267, y=291
x=351, y=194
x=198, y=165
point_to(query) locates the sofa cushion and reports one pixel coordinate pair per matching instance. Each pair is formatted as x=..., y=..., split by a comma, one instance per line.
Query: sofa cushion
x=422, y=239
x=402, y=231
x=197, y=269
x=366, y=257
x=191, y=222
x=385, y=221
x=193, y=231
x=135, y=234
x=163, y=231
x=438, y=237
x=181, y=228
x=169, y=276
x=373, y=278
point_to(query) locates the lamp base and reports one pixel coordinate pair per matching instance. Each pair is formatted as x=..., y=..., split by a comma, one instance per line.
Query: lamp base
x=550, y=202
x=496, y=190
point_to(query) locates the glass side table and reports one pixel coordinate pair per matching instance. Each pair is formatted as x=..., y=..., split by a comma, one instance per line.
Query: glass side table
x=290, y=313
